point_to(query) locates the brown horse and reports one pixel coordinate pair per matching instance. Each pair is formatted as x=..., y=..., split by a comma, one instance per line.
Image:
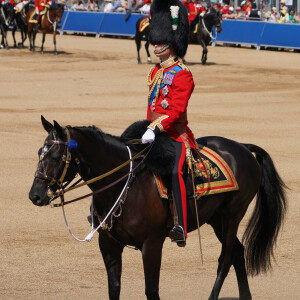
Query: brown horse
x=47, y=24
x=143, y=218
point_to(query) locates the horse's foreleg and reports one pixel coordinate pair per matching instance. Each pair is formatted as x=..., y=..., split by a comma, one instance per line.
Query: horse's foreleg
x=138, y=39
x=33, y=39
x=152, y=252
x=204, y=52
x=13, y=35
x=111, y=252
x=43, y=41
x=54, y=42
x=148, y=53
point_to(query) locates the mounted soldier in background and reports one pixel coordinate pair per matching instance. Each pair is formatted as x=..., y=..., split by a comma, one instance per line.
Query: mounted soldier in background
x=41, y=7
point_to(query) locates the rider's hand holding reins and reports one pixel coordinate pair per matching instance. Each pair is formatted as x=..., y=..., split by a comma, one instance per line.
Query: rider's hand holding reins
x=148, y=137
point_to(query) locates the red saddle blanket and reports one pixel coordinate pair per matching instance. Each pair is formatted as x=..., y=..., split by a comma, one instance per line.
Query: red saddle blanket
x=214, y=176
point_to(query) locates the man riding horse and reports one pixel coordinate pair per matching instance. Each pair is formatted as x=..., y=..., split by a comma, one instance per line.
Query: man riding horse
x=170, y=87
x=41, y=7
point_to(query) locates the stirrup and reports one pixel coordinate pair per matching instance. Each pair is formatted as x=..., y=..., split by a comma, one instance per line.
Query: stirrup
x=177, y=235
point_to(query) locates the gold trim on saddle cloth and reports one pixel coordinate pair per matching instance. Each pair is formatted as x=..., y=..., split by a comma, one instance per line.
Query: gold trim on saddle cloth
x=215, y=167
x=144, y=24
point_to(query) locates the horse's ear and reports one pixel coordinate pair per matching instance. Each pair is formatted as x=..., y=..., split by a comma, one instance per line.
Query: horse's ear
x=47, y=125
x=58, y=129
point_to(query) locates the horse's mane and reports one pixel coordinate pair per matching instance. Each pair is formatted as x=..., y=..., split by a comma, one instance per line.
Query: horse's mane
x=100, y=137
x=161, y=156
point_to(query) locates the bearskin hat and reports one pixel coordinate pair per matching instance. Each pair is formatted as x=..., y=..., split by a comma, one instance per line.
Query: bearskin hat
x=169, y=24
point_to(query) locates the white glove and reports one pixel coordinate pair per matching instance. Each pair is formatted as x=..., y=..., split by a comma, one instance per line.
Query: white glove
x=202, y=14
x=148, y=137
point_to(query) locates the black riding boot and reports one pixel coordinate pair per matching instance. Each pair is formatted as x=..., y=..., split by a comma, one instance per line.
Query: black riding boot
x=177, y=233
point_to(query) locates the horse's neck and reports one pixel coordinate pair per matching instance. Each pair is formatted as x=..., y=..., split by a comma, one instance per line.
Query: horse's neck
x=97, y=159
x=208, y=24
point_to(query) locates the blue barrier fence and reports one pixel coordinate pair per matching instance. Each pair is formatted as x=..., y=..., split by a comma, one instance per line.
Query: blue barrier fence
x=260, y=34
x=234, y=31
x=99, y=23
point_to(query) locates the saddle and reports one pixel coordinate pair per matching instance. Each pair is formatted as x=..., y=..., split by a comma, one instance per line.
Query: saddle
x=211, y=173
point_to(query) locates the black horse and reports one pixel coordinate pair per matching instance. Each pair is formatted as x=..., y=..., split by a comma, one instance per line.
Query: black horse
x=142, y=31
x=144, y=220
x=201, y=31
x=20, y=22
x=6, y=18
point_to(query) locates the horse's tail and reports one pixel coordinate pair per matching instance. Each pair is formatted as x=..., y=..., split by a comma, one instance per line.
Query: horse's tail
x=264, y=225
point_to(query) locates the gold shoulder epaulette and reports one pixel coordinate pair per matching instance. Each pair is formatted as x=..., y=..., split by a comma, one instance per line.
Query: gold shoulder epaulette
x=183, y=66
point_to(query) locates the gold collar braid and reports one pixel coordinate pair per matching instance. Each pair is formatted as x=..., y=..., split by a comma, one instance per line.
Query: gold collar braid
x=158, y=78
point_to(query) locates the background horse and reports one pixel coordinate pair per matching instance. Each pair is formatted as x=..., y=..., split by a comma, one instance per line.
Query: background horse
x=142, y=31
x=202, y=32
x=20, y=22
x=144, y=219
x=47, y=24
x=6, y=13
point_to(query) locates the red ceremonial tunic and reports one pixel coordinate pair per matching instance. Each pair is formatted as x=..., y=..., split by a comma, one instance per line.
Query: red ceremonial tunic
x=194, y=9
x=171, y=101
x=225, y=10
x=40, y=4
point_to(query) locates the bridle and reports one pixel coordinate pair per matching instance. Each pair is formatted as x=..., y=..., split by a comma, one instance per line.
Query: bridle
x=54, y=22
x=65, y=162
x=210, y=33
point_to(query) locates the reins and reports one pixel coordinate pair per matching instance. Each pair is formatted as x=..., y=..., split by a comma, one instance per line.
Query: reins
x=209, y=33
x=62, y=191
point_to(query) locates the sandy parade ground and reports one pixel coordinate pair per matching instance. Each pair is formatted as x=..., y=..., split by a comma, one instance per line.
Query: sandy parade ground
x=243, y=94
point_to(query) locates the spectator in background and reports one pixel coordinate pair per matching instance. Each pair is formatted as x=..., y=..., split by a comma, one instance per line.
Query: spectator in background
x=225, y=8
x=95, y=6
x=292, y=17
x=268, y=16
x=284, y=7
x=230, y=14
x=274, y=16
x=80, y=6
x=246, y=7
x=239, y=13
x=254, y=14
x=282, y=16
x=108, y=7
x=145, y=10
x=297, y=18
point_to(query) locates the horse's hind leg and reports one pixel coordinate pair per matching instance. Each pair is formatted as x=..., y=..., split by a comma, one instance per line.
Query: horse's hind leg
x=13, y=35
x=111, y=252
x=240, y=270
x=43, y=41
x=138, y=47
x=148, y=53
x=152, y=252
x=226, y=231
